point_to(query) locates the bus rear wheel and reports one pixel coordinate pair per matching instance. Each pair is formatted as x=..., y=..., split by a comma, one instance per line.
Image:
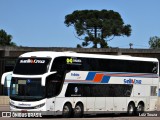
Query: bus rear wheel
x=78, y=111
x=131, y=109
x=67, y=111
x=140, y=108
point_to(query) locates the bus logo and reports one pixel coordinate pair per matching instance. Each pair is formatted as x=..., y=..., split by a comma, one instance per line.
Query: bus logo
x=33, y=61
x=75, y=74
x=75, y=61
x=76, y=89
x=69, y=60
x=132, y=81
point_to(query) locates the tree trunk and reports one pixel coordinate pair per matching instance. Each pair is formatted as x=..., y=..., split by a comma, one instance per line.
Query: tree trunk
x=95, y=36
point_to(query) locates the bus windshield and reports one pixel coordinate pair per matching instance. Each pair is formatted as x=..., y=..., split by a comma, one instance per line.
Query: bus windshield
x=26, y=89
x=30, y=89
x=31, y=66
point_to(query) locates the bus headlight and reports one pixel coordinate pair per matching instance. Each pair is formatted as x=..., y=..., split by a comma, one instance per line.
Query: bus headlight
x=39, y=106
x=11, y=104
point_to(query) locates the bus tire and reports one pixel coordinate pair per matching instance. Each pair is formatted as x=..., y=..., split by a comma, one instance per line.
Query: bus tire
x=67, y=110
x=131, y=109
x=78, y=110
x=140, y=108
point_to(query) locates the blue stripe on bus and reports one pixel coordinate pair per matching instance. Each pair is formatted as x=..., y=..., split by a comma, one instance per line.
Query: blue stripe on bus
x=105, y=79
x=91, y=75
x=107, y=76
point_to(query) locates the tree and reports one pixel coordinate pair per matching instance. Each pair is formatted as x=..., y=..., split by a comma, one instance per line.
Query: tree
x=5, y=39
x=154, y=42
x=97, y=27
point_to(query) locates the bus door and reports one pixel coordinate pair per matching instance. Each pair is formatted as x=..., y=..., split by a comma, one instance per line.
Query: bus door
x=53, y=87
x=50, y=95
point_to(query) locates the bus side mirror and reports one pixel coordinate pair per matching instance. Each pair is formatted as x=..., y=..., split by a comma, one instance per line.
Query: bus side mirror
x=3, y=78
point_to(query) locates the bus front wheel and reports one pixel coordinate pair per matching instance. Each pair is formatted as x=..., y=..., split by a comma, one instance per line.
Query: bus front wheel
x=78, y=111
x=67, y=110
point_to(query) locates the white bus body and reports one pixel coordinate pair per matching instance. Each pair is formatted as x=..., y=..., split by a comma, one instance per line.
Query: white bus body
x=66, y=83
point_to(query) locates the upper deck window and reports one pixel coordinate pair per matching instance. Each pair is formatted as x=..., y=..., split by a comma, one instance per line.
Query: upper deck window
x=31, y=66
x=100, y=64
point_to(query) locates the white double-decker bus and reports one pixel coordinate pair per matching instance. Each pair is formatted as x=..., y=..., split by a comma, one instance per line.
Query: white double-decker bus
x=74, y=84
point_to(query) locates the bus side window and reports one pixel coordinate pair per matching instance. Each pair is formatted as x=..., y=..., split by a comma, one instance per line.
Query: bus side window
x=128, y=93
x=155, y=68
x=111, y=91
x=54, y=84
x=86, y=90
x=153, y=91
x=59, y=64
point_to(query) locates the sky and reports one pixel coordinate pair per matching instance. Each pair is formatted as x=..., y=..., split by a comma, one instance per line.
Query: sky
x=40, y=23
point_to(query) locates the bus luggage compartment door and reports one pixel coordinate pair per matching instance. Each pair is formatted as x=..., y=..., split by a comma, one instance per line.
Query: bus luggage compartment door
x=100, y=104
x=90, y=104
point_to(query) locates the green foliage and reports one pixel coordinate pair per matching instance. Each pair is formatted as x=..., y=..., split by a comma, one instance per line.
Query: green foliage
x=154, y=42
x=96, y=26
x=5, y=39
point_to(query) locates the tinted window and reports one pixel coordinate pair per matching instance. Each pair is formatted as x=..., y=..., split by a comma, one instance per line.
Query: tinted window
x=54, y=84
x=59, y=64
x=31, y=66
x=98, y=90
x=154, y=91
x=109, y=65
x=28, y=89
x=67, y=63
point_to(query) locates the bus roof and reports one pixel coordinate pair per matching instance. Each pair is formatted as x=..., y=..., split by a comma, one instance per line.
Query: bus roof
x=51, y=54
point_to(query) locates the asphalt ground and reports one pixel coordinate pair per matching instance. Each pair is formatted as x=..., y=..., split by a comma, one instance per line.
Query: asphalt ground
x=145, y=116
